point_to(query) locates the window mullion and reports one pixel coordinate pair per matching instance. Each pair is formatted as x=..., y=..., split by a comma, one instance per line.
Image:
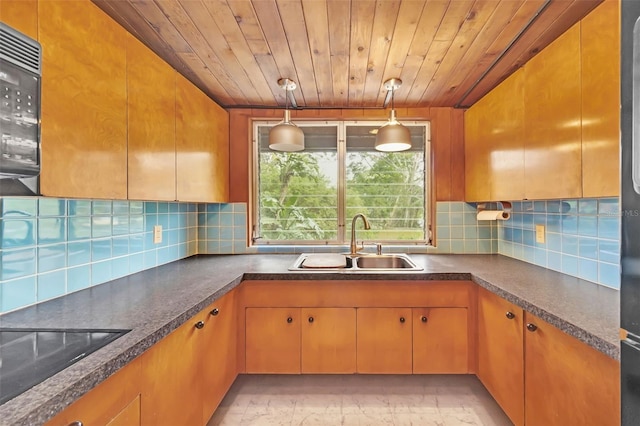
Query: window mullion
x=342, y=179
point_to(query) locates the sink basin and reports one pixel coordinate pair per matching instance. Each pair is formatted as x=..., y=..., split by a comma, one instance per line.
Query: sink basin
x=392, y=262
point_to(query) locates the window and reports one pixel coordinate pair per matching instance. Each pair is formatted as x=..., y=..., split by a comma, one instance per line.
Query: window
x=309, y=197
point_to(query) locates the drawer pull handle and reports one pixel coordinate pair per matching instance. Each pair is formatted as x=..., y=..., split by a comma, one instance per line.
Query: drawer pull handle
x=310, y=319
x=423, y=319
x=402, y=319
x=510, y=315
x=200, y=325
x=532, y=327
x=76, y=423
x=289, y=320
x=214, y=312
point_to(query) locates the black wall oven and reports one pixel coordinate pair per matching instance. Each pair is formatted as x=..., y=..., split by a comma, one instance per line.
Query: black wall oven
x=20, y=79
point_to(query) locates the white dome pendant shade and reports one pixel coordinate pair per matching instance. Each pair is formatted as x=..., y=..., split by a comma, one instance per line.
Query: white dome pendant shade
x=286, y=136
x=393, y=136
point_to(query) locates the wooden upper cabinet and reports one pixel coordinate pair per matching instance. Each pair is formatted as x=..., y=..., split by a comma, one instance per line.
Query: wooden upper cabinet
x=21, y=15
x=566, y=381
x=202, y=147
x=494, y=143
x=477, y=152
x=601, y=101
x=84, y=101
x=151, y=103
x=328, y=340
x=384, y=340
x=553, y=125
x=500, y=353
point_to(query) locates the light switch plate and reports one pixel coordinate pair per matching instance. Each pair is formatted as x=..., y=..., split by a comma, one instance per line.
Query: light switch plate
x=157, y=234
x=540, y=234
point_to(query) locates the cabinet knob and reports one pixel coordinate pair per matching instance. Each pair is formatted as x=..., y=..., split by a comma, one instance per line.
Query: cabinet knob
x=510, y=315
x=532, y=327
x=401, y=319
x=200, y=325
x=214, y=312
x=76, y=423
x=289, y=320
x=423, y=318
x=310, y=319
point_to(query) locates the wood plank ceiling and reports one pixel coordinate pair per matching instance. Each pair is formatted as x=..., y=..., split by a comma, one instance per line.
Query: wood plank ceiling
x=340, y=52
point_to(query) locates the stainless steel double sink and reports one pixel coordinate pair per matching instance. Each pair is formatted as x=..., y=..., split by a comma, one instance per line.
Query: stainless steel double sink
x=396, y=262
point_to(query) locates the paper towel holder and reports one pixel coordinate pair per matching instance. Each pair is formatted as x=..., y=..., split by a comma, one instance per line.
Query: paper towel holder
x=505, y=206
x=498, y=210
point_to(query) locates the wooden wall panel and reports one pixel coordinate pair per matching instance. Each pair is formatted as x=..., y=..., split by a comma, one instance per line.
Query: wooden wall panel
x=21, y=15
x=447, y=143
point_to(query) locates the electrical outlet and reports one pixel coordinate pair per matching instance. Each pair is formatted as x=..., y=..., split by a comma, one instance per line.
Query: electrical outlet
x=157, y=234
x=540, y=234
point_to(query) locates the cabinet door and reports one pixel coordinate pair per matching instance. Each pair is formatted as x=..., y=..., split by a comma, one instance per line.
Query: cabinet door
x=112, y=402
x=21, y=15
x=202, y=152
x=151, y=103
x=218, y=353
x=328, y=340
x=500, y=353
x=566, y=381
x=84, y=101
x=601, y=101
x=384, y=340
x=440, y=341
x=272, y=340
x=553, y=130
x=171, y=378
x=494, y=144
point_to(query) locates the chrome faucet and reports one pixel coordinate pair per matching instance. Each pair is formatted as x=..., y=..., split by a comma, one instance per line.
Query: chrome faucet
x=354, y=247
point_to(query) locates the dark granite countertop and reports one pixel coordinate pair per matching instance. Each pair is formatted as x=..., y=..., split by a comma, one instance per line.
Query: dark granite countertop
x=152, y=303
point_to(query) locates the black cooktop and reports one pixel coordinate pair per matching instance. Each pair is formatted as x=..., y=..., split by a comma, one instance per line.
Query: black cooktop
x=29, y=356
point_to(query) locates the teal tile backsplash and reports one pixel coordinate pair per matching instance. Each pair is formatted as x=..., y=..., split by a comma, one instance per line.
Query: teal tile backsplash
x=51, y=246
x=582, y=237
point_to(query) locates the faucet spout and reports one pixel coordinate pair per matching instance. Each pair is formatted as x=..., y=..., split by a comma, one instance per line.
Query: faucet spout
x=365, y=221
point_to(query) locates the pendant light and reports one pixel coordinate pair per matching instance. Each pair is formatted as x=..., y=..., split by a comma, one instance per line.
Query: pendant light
x=393, y=136
x=286, y=136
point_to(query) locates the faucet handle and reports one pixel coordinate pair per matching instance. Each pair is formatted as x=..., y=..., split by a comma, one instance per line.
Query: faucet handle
x=378, y=248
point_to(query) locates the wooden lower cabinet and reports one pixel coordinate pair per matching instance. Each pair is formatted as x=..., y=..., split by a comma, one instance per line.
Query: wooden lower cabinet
x=328, y=340
x=114, y=402
x=566, y=381
x=272, y=340
x=384, y=340
x=440, y=341
x=218, y=353
x=501, y=353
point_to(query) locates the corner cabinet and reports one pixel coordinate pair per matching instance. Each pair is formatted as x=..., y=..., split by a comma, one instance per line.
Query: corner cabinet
x=494, y=143
x=501, y=353
x=202, y=146
x=84, y=101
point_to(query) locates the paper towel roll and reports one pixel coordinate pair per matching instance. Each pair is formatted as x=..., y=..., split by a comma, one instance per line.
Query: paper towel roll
x=493, y=215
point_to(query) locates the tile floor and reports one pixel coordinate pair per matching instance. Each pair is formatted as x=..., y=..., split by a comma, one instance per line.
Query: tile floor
x=327, y=400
